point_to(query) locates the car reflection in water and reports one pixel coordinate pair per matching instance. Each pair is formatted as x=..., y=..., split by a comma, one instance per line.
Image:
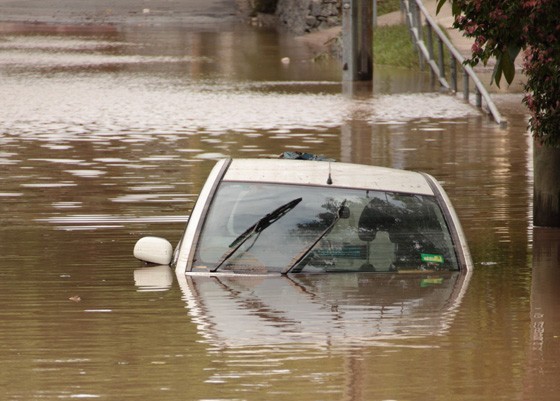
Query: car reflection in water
x=315, y=309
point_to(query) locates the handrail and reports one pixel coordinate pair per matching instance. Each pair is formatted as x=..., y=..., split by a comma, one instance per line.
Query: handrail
x=413, y=13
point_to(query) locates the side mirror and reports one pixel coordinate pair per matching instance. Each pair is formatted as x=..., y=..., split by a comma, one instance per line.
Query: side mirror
x=153, y=250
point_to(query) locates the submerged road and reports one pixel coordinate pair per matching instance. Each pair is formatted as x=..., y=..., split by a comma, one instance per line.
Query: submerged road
x=196, y=13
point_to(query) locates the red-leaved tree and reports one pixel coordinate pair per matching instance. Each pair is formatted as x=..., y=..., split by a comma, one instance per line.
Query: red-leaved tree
x=501, y=29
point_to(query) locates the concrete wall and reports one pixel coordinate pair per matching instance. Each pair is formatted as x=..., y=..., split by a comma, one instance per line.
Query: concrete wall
x=300, y=16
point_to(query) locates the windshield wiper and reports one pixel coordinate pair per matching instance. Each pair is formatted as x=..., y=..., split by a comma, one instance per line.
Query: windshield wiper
x=342, y=212
x=256, y=228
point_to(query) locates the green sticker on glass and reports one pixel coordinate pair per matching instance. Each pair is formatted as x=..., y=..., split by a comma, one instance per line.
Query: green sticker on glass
x=431, y=281
x=431, y=258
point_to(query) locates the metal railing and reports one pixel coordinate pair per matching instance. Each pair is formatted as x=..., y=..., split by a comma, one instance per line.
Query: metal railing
x=415, y=14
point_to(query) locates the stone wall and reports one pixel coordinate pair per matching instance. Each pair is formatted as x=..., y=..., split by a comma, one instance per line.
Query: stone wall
x=300, y=16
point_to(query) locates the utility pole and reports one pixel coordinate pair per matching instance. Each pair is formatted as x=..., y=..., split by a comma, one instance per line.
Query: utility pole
x=357, y=40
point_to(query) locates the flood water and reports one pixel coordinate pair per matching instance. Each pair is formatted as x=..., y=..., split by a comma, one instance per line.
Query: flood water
x=107, y=134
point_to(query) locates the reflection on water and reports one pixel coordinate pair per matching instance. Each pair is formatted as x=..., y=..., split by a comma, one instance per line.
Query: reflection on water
x=154, y=278
x=322, y=310
x=107, y=135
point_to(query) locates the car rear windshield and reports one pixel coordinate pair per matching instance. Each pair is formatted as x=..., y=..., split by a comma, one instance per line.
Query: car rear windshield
x=261, y=227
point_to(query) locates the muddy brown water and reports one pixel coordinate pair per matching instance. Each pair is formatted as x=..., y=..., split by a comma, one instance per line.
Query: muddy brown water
x=107, y=134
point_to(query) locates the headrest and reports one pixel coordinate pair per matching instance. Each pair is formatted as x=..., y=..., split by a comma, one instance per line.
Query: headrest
x=374, y=219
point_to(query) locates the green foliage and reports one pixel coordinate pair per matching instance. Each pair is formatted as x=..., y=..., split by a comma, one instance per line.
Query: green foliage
x=493, y=26
x=387, y=6
x=392, y=46
x=501, y=28
x=542, y=67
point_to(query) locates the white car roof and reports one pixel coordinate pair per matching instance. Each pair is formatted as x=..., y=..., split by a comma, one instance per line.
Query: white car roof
x=316, y=173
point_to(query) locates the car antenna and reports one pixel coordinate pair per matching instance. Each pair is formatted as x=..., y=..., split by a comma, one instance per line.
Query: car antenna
x=329, y=180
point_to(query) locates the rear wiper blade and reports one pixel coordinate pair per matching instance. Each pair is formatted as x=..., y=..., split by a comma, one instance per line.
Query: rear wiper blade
x=257, y=228
x=303, y=254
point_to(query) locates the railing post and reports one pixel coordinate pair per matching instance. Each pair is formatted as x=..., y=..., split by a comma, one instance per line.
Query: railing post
x=430, y=41
x=418, y=15
x=453, y=68
x=478, y=98
x=430, y=44
x=465, y=86
x=410, y=21
x=441, y=64
x=417, y=22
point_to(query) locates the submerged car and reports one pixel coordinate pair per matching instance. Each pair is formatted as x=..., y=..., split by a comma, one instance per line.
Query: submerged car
x=283, y=216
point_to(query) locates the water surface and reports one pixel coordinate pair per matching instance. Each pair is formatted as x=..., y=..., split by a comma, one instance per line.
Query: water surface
x=108, y=134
